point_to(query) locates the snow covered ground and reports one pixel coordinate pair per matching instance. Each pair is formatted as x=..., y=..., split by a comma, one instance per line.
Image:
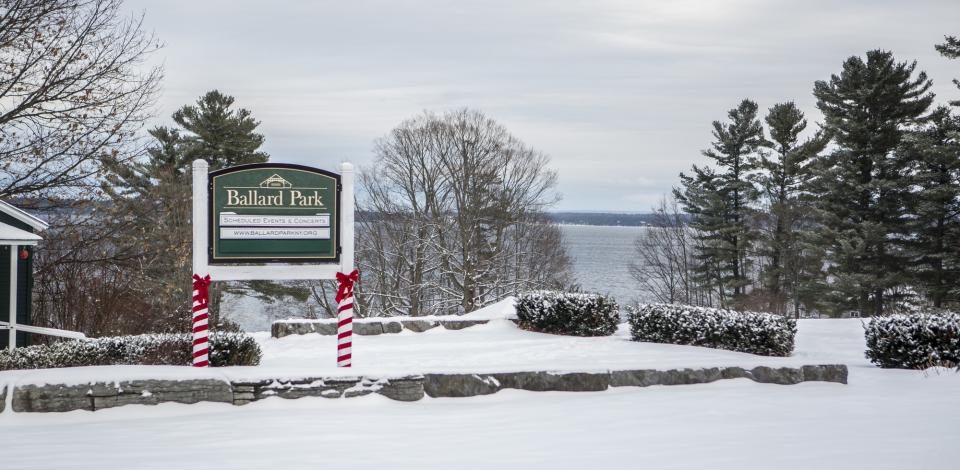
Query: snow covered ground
x=884, y=419
x=498, y=346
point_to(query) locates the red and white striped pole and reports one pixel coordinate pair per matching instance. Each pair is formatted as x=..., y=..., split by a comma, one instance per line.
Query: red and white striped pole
x=347, y=276
x=201, y=327
x=345, y=317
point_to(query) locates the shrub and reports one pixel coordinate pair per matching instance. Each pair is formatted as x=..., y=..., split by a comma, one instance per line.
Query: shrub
x=227, y=349
x=566, y=313
x=914, y=341
x=765, y=334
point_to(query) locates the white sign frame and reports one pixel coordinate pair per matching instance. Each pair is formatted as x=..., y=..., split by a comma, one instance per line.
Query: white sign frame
x=272, y=271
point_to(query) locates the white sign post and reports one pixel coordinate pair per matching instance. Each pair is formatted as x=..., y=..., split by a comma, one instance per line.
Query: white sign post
x=274, y=271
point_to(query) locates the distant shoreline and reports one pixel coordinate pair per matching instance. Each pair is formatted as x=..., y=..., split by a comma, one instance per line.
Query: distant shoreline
x=564, y=224
x=604, y=219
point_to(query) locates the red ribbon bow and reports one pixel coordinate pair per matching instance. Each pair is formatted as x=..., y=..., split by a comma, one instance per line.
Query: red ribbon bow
x=346, y=282
x=202, y=285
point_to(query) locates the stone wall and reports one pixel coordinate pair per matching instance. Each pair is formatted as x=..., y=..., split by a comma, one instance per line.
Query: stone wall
x=467, y=385
x=367, y=327
x=409, y=388
x=99, y=395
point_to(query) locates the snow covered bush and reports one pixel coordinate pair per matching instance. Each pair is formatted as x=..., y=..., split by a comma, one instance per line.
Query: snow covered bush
x=914, y=341
x=567, y=313
x=227, y=349
x=765, y=334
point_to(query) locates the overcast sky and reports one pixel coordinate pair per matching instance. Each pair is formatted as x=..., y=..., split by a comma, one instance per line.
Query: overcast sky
x=619, y=93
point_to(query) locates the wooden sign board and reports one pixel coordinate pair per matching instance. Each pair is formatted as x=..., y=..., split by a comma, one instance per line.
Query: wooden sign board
x=271, y=221
x=274, y=213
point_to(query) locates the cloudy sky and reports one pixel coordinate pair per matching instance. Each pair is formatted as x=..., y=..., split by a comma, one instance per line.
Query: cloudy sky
x=619, y=93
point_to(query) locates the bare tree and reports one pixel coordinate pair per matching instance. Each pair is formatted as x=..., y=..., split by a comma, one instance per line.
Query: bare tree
x=72, y=94
x=666, y=267
x=452, y=218
x=83, y=282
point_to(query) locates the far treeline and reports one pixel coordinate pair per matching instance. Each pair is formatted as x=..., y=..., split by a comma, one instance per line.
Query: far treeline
x=860, y=216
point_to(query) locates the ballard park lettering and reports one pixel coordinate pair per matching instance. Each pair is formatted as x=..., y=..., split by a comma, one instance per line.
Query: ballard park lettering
x=254, y=197
x=274, y=212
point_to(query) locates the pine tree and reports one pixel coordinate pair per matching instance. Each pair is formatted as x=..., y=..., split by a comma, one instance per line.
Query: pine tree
x=951, y=50
x=221, y=135
x=935, y=203
x=720, y=201
x=152, y=202
x=701, y=198
x=863, y=186
x=783, y=180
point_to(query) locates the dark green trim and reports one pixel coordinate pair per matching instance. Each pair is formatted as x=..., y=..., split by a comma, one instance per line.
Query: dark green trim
x=12, y=221
x=24, y=292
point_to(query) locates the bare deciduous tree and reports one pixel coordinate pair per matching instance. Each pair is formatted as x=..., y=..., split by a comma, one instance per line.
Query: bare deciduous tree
x=452, y=217
x=82, y=281
x=72, y=94
x=666, y=266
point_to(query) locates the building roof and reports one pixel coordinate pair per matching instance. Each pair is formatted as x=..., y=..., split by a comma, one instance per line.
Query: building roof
x=10, y=235
x=23, y=216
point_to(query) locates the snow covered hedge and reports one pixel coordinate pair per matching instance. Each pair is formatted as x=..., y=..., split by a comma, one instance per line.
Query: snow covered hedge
x=227, y=349
x=765, y=334
x=914, y=341
x=567, y=313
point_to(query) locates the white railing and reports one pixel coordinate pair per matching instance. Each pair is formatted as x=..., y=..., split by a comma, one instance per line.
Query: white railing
x=40, y=331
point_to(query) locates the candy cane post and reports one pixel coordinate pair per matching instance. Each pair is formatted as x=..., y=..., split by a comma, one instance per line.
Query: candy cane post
x=201, y=302
x=345, y=317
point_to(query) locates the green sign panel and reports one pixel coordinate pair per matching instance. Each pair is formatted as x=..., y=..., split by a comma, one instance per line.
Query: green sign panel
x=279, y=213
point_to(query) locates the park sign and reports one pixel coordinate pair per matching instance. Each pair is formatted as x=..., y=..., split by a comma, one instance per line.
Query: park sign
x=274, y=213
x=272, y=222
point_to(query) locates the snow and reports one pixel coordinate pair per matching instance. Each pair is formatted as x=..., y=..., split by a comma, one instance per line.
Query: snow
x=498, y=346
x=884, y=419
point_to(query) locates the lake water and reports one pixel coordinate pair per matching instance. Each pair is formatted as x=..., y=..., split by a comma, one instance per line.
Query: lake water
x=601, y=256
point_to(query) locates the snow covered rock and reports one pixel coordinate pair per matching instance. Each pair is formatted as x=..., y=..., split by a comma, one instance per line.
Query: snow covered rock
x=914, y=341
x=418, y=326
x=459, y=385
x=567, y=313
x=100, y=395
x=555, y=381
x=750, y=332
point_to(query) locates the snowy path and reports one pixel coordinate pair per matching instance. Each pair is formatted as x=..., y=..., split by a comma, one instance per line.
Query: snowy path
x=884, y=419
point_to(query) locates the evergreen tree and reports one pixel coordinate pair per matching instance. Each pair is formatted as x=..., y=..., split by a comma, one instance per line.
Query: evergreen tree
x=951, y=50
x=700, y=197
x=863, y=186
x=720, y=201
x=783, y=180
x=217, y=133
x=152, y=202
x=935, y=203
